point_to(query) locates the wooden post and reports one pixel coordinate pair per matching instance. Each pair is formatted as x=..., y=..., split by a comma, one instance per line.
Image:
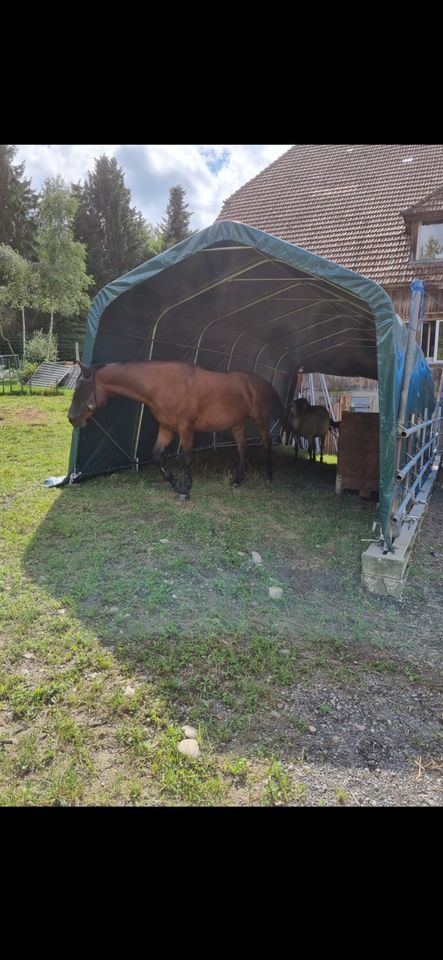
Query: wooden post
x=420, y=320
x=77, y=352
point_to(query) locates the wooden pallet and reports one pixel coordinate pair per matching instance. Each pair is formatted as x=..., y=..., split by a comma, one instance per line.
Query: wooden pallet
x=386, y=573
x=358, y=458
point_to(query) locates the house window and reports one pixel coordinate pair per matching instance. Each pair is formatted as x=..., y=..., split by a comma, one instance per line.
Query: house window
x=430, y=241
x=428, y=340
x=432, y=339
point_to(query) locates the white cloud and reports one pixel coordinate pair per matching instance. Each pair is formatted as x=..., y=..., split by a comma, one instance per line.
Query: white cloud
x=209, y=173
x=71, y=162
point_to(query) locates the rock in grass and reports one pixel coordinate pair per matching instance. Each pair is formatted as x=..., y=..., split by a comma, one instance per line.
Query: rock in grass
x=256, y=557
x=189, y=732
x=275, y=593
x=190, y=748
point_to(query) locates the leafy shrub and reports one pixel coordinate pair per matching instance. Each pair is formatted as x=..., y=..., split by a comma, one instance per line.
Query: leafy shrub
x=25, y=372
x=38, y=348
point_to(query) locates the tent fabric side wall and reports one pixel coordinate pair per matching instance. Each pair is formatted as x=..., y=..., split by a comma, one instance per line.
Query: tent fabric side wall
x=234, y=298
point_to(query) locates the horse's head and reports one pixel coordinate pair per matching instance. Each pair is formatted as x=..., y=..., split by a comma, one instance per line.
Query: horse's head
x=88, y=395
x=299, y=405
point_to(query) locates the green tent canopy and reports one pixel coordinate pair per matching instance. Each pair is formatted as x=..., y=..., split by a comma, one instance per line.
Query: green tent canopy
x=234, y=298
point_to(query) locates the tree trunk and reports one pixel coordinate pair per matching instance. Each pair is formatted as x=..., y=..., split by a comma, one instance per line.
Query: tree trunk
x=4, y=337
x=24, y=333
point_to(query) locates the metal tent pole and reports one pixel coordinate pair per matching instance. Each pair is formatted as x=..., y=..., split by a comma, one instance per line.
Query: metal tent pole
x=417, y=287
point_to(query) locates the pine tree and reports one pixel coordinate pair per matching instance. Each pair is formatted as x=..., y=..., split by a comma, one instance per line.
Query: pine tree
x=116, y=235
x=175, y=226
x=18, y=204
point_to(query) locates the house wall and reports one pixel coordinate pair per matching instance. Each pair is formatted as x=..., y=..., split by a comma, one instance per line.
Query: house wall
x=431, y=344
x=433, y=306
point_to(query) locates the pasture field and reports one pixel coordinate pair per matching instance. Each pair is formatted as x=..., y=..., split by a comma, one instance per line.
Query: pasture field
x=125, y=615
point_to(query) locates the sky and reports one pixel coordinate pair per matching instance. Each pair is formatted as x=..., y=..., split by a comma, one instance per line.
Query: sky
x=209, y=173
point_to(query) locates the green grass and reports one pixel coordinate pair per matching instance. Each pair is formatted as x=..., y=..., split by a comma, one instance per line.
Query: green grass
x=277, y=789
x=111, y=639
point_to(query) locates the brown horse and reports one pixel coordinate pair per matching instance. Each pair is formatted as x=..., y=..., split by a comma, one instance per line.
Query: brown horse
x=310, y=422
x=184, y=399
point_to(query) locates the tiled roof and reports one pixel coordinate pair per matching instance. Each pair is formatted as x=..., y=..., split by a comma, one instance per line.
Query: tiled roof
x=345, y=202
x=430, y=204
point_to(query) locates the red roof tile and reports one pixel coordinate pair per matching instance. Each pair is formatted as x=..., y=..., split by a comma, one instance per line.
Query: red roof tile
x=345, y=202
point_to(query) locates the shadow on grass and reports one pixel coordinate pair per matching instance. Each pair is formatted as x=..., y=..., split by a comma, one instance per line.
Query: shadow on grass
x=173, y=593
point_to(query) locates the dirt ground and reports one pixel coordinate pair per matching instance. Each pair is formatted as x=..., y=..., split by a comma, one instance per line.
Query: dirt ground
x=379, y=743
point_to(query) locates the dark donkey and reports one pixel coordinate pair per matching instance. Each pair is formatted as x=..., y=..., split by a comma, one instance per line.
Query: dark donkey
x=184, y=399
x=310, y=422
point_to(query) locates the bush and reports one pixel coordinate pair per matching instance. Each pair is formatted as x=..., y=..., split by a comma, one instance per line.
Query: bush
x=7, y=374
x=25, y=372
x=37, y=348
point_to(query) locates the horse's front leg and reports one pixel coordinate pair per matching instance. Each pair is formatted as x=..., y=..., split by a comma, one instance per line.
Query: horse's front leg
x=164, y=438
x=187, y=443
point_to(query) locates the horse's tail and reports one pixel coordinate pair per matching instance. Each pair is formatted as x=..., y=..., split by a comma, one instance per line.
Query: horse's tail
x=279, y=412
x=334, y=423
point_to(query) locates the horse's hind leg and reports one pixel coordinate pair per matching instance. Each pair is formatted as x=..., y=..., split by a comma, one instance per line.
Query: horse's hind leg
x=322, y=447
x=239, y=437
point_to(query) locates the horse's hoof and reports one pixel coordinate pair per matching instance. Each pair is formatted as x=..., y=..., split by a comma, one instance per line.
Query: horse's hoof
x=183, y=497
